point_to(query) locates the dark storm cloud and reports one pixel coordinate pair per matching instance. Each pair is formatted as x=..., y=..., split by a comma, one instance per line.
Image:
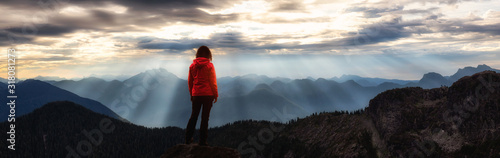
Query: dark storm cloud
x=8, y=39
x=61, y=51
x=369, y=34
x=376, y=12
x=178, y=45
x=219, y=40
x=56, y=58
x=372, y=12
x=288, y=6
x=41, y=30
x=229, y=40
x=142, y=13
x=26, y=34
x=380, y=32
x=103, y=16
x=493, y=29
x=133, y=4
x=146, y=5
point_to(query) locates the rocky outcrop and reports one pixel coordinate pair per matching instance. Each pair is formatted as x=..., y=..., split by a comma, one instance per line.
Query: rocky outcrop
x=460, y=120
x=196, y=151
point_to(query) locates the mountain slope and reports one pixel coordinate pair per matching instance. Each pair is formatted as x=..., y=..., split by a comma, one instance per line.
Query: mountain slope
x=433, y=80
x=448, y=121
x=91, y=87
x=32, y=94
x=260, y=104
x=57, y=128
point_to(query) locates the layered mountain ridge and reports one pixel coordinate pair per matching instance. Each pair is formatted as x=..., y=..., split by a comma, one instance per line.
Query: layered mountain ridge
x=457, y=121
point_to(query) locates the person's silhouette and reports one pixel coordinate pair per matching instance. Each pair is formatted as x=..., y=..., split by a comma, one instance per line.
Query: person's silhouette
x=203, y=90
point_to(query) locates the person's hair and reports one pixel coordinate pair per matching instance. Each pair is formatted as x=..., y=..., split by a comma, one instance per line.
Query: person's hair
x=203, y=51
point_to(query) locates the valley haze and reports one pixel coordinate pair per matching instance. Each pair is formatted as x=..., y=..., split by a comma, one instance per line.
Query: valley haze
x=158, y=98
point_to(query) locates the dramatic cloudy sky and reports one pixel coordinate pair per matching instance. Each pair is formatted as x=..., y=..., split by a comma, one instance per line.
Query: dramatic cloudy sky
x=319, y=38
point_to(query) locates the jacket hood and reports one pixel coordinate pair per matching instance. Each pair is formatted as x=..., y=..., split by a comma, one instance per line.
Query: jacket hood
x=201, y=61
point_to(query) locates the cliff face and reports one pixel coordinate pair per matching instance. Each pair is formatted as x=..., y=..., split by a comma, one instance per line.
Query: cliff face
x=196, y=151
x=458, y=120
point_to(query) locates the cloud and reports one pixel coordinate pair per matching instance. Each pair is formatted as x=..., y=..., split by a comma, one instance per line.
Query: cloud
x=288, y=6
x=148, y=16
x=219, y=40
x=55, y=58
x=493, y=29
x=373, y=12
x=61, y=51
x=41, y=30
x=102, y=15
x=377, y=11
x=176, y=45
x=27, y=34
x=364, y=38
x=10, y=39
x=379, y=32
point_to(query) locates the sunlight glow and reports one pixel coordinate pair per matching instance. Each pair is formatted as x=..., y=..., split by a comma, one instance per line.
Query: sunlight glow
x=262, y=37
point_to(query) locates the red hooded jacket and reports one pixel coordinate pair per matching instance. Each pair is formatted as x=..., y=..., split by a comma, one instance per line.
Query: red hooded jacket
x=202, y=80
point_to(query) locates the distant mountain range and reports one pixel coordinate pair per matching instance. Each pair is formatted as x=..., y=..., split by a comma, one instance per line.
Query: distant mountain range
x=457, y=121
x=104, y=77
x=429, y=80
x=32, y=94
x=158, y=98
x=366, y=81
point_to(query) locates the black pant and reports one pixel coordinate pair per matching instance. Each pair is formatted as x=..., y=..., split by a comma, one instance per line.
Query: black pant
x=198, y=102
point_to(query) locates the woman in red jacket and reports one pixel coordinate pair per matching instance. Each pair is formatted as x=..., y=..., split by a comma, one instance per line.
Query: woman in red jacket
x=203, y=89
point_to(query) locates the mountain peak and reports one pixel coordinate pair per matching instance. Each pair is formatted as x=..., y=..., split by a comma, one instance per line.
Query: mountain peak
x=484, y=66
x=92, y=79
x=432, y=80
x=194, y=150
x=351, y=83
x=159, y=73
x=263, y=86
x=432, y=74
x=54, y=78
x=469, y=70
x=34, y=81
